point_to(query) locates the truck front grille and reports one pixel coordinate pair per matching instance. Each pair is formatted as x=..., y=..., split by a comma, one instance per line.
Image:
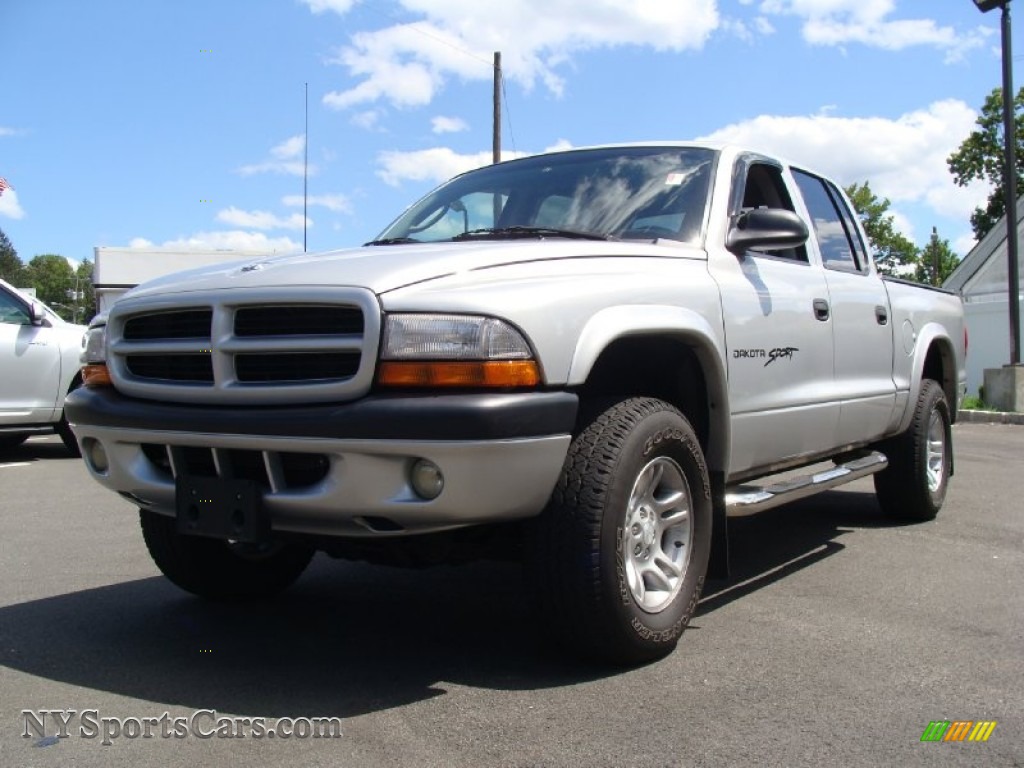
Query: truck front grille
x=194, y=368
x=270, y=347
x=179, y=324
x=297, y=321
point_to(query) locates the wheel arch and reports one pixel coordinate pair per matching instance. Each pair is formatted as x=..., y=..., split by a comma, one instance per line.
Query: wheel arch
x=935, y=359
x=621, y=352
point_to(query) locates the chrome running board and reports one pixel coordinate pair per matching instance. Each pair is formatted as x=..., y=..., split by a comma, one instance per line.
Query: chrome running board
x=744, y=500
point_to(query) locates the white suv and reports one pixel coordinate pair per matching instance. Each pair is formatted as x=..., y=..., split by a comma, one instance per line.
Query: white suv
x=39, y=365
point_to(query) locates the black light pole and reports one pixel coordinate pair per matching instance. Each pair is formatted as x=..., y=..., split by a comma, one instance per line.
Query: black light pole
x=1009, y=175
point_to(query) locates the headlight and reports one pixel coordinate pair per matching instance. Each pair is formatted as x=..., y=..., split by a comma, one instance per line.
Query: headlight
x=452, y=337
x=95, y=345
x=94, y=358
x=454, y=351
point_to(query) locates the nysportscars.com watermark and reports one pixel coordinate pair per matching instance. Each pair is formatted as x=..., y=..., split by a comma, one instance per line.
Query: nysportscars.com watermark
x=201, y=724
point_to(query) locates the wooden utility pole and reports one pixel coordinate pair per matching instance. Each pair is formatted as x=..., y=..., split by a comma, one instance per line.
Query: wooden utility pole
x=496, y=144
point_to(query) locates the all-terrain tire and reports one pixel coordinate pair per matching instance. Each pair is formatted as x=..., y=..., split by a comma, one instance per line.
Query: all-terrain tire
x=913, y=486
x=221, y=570
x=618, y=558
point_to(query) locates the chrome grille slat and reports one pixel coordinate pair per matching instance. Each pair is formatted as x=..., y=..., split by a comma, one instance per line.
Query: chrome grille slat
x=316, y=353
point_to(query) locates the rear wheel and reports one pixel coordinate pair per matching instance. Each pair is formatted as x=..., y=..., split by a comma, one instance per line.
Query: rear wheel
x=913, y=486
x=218, y=569
x=619, y=557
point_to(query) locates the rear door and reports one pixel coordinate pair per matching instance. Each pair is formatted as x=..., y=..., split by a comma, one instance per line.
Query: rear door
x=859, y=308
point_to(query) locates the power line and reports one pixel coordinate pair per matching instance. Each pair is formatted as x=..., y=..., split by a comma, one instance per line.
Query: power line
x=508, y=114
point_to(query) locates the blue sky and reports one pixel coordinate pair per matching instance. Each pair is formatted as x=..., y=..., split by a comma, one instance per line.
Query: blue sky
x=180, y=122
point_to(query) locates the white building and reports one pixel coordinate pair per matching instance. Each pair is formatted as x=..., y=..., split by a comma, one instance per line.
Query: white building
x=981, y=279
x=116, y=270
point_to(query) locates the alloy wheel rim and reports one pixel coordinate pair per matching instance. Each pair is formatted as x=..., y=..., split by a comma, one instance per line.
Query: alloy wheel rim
x=656, y=538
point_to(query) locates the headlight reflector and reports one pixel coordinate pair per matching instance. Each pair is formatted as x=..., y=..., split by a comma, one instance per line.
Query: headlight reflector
x=95, y=345
x=467, y=351
x=451, y=337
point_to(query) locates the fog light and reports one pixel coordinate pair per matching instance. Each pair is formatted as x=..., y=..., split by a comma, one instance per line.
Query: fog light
x=95, y=455
x=427, y=480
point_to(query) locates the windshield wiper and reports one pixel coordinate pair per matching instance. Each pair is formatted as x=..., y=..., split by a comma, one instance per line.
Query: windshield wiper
x=393, y=241
x=520, y=231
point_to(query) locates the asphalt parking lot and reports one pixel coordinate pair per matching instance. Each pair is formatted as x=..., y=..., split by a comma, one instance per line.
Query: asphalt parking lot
x=837, y=640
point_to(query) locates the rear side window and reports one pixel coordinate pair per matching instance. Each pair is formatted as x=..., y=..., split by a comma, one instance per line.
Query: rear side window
x=834, y=228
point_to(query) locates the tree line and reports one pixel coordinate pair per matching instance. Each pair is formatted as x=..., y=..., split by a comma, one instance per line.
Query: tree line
x=69, y=291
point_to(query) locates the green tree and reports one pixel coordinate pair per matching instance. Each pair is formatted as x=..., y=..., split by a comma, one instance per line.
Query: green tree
x=10, y=265
x=937, y=261
x=893, y=252
x=980, y=157
x=53, y=278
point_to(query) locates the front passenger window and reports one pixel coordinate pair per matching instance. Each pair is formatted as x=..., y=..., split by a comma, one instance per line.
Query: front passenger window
x=13, y=311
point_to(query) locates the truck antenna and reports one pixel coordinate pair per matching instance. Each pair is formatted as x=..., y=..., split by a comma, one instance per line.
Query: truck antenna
x=305, y=168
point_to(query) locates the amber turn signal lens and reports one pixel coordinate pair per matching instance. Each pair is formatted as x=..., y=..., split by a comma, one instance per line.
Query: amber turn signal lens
x=493, y=373
x=96, y=376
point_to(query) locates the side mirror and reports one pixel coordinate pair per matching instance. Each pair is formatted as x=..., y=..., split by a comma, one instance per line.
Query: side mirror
x=36, y=315
x=767, y=229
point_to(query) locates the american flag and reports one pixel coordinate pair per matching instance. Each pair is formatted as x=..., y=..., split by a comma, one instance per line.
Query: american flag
x=4, y=185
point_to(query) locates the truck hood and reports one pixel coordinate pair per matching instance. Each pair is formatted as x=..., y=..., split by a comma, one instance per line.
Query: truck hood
x=388, y=267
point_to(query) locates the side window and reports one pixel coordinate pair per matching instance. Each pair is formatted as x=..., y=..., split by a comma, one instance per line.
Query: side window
x=837, y=236
x=12, y=311
x=764, y=188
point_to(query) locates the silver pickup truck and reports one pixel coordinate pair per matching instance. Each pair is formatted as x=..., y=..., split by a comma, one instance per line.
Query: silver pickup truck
x=588, y=359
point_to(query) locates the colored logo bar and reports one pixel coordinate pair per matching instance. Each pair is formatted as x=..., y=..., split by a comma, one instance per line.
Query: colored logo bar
x=958, y=730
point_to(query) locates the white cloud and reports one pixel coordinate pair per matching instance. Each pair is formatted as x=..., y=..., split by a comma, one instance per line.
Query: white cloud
x=5, y=131
x=286, y=158
x=408, y=64
x=868, y=22
x=234, y=240
x=903, y=159
x=337, y=203
x=260, y=219
x=9, y=205
x=440, y=163
x=367, y=120
x=435, y=164
x=963, y=244
x=442, y=124
x=289, y=148
x=340, y=7
x=902, y=224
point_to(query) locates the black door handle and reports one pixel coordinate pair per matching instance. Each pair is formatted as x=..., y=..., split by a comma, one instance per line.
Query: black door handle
x=882, y=315
x=821, y=309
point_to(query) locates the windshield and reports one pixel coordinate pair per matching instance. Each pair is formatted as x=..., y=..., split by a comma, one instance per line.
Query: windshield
x=621, y=193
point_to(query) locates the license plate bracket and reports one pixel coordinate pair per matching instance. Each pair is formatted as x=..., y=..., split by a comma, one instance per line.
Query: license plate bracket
x=221, y=509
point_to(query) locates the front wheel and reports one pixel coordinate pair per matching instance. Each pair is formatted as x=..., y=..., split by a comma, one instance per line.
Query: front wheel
x=221, y=570
x=913, y=486
x=618, y=558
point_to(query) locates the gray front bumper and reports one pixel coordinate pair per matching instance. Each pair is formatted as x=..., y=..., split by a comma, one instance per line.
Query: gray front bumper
x=361, y=486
